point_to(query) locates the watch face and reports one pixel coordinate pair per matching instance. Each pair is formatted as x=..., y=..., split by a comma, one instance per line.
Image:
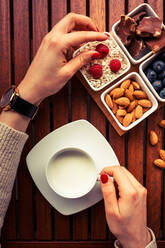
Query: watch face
x=6, y=97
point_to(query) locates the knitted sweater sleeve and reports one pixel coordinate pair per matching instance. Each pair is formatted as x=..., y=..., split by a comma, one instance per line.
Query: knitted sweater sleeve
x=11, y=145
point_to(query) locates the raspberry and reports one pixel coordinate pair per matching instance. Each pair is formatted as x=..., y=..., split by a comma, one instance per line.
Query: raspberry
x=103, y=50
x=115, y=65
x=96, y=71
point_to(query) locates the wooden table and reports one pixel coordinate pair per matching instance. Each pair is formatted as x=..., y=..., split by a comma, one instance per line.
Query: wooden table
x=30, y=220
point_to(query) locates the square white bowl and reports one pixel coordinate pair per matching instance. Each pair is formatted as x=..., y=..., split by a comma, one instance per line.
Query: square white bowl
x=78, y=134
x=142, y=68
x=147, y=52
x=103, y=86
x=136, y=77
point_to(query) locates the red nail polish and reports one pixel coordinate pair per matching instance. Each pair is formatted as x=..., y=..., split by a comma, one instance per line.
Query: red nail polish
x=104, y=178
x=96, y=56
x=107, y=35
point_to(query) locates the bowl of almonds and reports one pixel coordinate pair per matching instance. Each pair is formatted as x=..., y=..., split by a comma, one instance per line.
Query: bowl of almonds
x=129, y=101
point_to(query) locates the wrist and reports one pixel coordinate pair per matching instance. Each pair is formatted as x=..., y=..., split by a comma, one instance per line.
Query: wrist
x=29, y=94
x=136, y=240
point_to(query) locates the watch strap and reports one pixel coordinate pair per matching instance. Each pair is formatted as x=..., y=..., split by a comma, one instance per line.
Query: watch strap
x=23, y=107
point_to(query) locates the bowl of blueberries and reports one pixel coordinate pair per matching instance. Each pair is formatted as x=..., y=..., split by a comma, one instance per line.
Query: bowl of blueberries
x=153, y=72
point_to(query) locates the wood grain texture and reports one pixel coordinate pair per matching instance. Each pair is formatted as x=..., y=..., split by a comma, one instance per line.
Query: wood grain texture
x=5, y=45
x=153, y=174
x=41, y=123
x=79, y=111
x=97, y=118
x=9, y=229
x=119, y=8
x=22, y=57
x=136, y=135
x=60, y=118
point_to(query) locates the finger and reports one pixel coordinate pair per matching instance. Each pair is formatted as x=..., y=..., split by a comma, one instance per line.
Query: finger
x=77, y=38
x=109, y=194
x=74, y=21
x=132, y=179
x=124, y=185
x=77, y=62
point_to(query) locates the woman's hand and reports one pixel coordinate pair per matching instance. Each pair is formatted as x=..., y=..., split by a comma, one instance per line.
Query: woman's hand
x=50, y=70
x=125, y=207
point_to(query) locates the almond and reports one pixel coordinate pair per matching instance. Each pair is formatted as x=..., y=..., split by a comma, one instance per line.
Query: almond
x=109, y=101
x=121, y=112
x=162, y=123
x=115, y=108
x=145, y=110
x=153, y=138
x=129, y=94
x=138, y=111
x=127, y=120
x=131, y=106
x=136, y=85
x=131, y=88
x=120, y=118
x=123, y=101
x=162, y=154
x=145, y=103
x=118, y=93
x=133, y=115
x=122, y=107
x=139, y=94
x=160, y=163
x=125, y=84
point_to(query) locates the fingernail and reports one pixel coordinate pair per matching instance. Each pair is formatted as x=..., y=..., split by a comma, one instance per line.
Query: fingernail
x=96, y=56
x=107, y=35
x=104, y=178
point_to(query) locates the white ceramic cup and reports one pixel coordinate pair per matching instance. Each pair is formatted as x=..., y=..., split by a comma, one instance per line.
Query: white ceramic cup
x=71, y=173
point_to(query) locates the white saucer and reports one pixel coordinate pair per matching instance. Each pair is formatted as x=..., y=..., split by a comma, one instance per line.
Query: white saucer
x=79, y=134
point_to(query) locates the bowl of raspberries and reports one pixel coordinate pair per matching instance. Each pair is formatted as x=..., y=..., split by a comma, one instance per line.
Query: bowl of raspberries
x=110, y=64
x=153, y=72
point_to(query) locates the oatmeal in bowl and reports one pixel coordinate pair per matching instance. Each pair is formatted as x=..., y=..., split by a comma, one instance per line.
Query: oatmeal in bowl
x=110, y=65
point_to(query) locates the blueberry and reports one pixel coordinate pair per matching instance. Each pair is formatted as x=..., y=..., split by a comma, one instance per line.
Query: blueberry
x=147, y=70
x=162, y=75
x=158, y=66
x=151, y=75
x=162, y=56
x=163, y=82
x=157, y=85
x=162, y=93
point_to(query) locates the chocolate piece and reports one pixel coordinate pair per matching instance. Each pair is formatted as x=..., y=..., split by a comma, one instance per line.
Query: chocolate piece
x=126, y=29
x=136, y=47
x=139, y=16
x=149, y=27
x=156, y=44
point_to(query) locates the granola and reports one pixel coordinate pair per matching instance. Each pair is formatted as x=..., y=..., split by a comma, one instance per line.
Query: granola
x=107, y=76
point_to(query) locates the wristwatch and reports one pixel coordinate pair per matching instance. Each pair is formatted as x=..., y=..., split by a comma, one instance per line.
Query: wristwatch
x=12, y=100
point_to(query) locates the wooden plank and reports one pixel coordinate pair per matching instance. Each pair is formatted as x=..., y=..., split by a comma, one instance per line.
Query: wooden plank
x=115, y=140
x=83, y=244
x=97, y=118
x=136, y=137
x=9, y=227
x=60, y=117
x=43, y=208
x=153, y=174
x=5, y=49
x=133, y=4
x=43, y=244
x=21, y=63
x=116, y=9
x=79, y=111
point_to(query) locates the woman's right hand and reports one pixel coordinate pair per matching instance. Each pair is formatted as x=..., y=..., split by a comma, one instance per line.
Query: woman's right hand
x=126, y=212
